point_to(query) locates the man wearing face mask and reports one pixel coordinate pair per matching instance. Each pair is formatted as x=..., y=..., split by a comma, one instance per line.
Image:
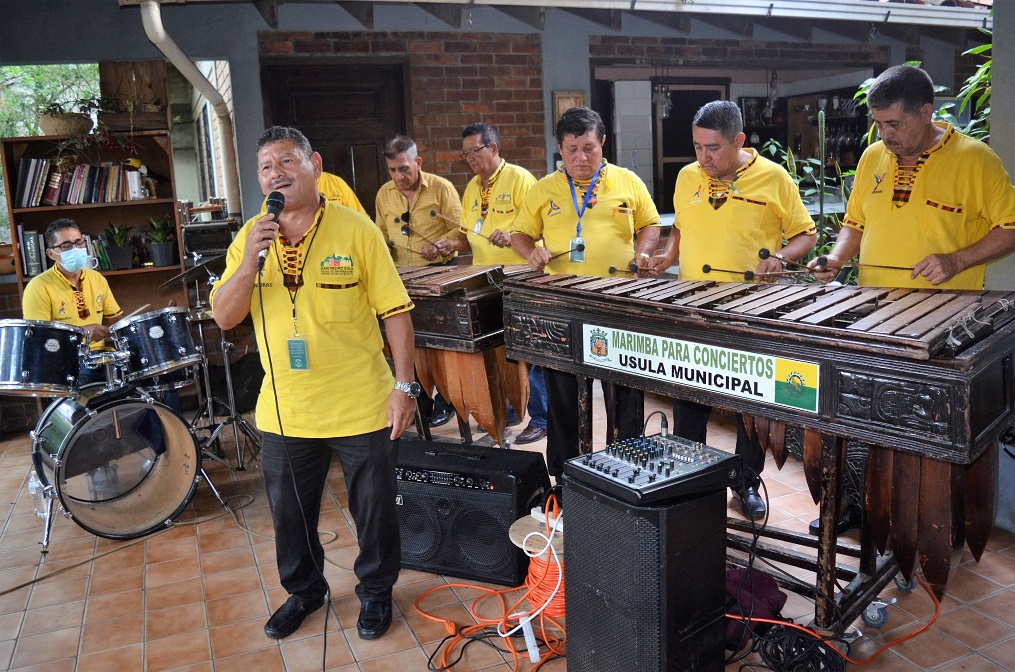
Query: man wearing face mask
x=71, y=292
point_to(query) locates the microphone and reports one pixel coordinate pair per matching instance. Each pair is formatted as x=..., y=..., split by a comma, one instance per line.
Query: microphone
x=275, y=203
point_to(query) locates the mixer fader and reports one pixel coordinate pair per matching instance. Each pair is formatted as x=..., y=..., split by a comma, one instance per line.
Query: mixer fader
x=653, y=468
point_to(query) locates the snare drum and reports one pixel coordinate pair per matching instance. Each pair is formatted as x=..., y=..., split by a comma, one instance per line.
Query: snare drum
x=40, y=358
x=121, y=467
x=158, y=342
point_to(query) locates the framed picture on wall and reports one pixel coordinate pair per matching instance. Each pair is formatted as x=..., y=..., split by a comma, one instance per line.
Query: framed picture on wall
x=565, y=100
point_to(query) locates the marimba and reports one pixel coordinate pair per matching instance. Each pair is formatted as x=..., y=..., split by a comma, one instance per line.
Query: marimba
x=925, y=377
x=458, y=320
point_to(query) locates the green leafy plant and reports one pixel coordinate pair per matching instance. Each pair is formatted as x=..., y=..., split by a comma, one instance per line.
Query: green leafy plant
x=77, y=105
x=87, y=148
x=159, y=230
x=118, y=236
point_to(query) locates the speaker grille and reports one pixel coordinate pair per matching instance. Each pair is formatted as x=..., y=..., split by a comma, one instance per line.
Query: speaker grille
x=458, y=532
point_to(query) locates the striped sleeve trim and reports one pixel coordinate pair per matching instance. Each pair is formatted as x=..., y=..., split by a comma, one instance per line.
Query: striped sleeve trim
x=324, y=285
x=1004, y=225
x=853, y=224
x=397, y=309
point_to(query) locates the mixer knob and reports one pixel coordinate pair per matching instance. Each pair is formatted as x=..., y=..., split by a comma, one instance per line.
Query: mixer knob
x=630, y=479
x=651, y=478
x=667, y=471
x=616, y=472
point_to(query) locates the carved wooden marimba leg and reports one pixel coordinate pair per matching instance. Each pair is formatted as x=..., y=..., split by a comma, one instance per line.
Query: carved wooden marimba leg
x=940, y=527
x=472, y=382
x=516, y=385
x=879, y=495
x=777, y=441
x=812, y=463
x=979, y=489
x=904, y=531
x=831, y=454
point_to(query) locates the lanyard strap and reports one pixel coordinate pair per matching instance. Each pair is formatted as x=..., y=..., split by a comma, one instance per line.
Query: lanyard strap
x=306, y=255
x=484, y=192
x=580, y=211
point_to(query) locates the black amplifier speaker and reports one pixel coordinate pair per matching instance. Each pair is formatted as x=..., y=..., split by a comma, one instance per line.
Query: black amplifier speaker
x=644, y=585
x=456, y=504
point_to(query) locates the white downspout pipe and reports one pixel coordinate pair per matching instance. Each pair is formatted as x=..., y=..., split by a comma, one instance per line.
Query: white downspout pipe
x=151, y=16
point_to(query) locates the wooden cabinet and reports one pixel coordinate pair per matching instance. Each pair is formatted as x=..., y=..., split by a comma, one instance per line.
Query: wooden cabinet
x=136, y=286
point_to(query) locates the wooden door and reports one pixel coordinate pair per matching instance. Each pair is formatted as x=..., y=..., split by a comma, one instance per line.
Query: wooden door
x=346, y=111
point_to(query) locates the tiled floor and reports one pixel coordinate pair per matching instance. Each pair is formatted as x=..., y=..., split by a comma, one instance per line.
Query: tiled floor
x=195, y=597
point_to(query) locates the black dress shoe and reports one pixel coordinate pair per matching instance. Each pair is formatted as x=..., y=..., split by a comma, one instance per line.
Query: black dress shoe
x=374, y=619
x=850, y=520
x=441, y=416
x=530, y=434
x=751, y=503
x=289, y=616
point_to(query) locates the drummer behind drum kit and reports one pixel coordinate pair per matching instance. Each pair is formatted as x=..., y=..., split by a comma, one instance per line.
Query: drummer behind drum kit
x=121, y=463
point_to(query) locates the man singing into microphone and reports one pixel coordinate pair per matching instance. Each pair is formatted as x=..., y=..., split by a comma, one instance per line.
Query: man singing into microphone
x=327, y=277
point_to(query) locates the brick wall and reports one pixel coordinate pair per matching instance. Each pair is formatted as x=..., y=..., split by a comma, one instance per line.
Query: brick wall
x=455, y=79
x=725, y=55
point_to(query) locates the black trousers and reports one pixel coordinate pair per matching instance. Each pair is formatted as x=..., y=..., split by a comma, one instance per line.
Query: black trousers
x=690, y=421
x=368, y=462
x=562, y=417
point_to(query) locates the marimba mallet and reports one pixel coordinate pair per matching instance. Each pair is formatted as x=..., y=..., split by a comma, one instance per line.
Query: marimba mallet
x=748, y=275
x=434, y=213
x=823, y=261
x=631, y=268
x=467, y=232
x=764, y=253
x=580, y=247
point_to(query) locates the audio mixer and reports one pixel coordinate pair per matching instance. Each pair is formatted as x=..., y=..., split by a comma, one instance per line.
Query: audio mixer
x=655, y=468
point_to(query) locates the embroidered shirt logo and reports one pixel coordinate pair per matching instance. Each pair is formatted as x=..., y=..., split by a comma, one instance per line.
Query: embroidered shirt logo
x=338, y=266
x=553, y=210
x=878, y=179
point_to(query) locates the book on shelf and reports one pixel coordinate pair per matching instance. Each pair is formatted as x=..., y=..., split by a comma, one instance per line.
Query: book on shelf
x=24, y=168
x=40, y=183
x=54, y=183
x=33, y=257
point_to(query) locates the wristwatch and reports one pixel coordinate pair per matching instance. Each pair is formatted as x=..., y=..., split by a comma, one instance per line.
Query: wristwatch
x=412, y=389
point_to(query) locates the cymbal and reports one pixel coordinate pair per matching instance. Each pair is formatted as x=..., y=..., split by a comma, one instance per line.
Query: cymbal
x=214, y=265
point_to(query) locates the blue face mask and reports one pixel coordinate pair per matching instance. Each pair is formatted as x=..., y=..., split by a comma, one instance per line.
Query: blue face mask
x=77, y=258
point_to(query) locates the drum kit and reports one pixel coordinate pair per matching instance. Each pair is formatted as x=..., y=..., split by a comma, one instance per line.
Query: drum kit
x=122, y=463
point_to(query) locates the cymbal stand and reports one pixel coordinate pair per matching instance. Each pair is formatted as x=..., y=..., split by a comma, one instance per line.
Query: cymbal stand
x=234, y=420
x=205, y=394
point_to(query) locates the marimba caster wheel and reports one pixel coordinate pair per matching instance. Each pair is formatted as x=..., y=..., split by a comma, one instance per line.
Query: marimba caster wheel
x=876, y=613
x=905, y=586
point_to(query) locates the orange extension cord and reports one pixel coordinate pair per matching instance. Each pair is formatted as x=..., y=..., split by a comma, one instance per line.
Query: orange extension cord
x=829, y=644
x=540, y=586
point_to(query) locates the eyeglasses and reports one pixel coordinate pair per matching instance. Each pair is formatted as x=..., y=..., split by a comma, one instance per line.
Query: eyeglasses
x=66, y=246
x=473, y=152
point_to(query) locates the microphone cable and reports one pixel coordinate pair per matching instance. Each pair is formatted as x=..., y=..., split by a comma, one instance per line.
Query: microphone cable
x=292, y=473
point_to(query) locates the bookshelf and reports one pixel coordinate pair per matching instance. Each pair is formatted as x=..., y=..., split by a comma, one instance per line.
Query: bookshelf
x=113, y=190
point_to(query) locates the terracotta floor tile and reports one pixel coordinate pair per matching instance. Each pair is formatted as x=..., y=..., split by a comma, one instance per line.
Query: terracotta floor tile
x=233, y=582
x=999, y=605
x=25, y=557
x=126, y=556
x=170, y=549
x=236, y=608
x=175, y=594
x=221, y=540
x=160, y=623
x=172, y=571
x=413, y=659
x=1002, y=653
x=116, y=581
x=304, y=655
x=46, y=647
x=6, y=651
x=177, y=651
x=973, y=628
x=973, y=662
x=227, y=560
x=55, y=617
x=115, y=605
x=112, y=634
x=125, y=658
x=931, y=649
x=264, y=660
x=241, y=637
x=61, y=665
x=50, y=592
x=428, y=631
x=996, y=567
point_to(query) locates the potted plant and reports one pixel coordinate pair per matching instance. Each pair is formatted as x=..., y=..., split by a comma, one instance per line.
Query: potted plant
x=72, y=117
x=160, y=238
x=118, y=248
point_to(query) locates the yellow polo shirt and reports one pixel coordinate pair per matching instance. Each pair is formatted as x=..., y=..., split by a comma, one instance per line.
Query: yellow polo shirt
x=435, y=193
x=724, y=225
x=334, y=189
x=623, y=207
x=50, y=297
x=507, y=191
x=960, y=192
x=348, y=282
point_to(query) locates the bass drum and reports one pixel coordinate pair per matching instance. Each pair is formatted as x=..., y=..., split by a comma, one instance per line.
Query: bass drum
x=122, y=467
